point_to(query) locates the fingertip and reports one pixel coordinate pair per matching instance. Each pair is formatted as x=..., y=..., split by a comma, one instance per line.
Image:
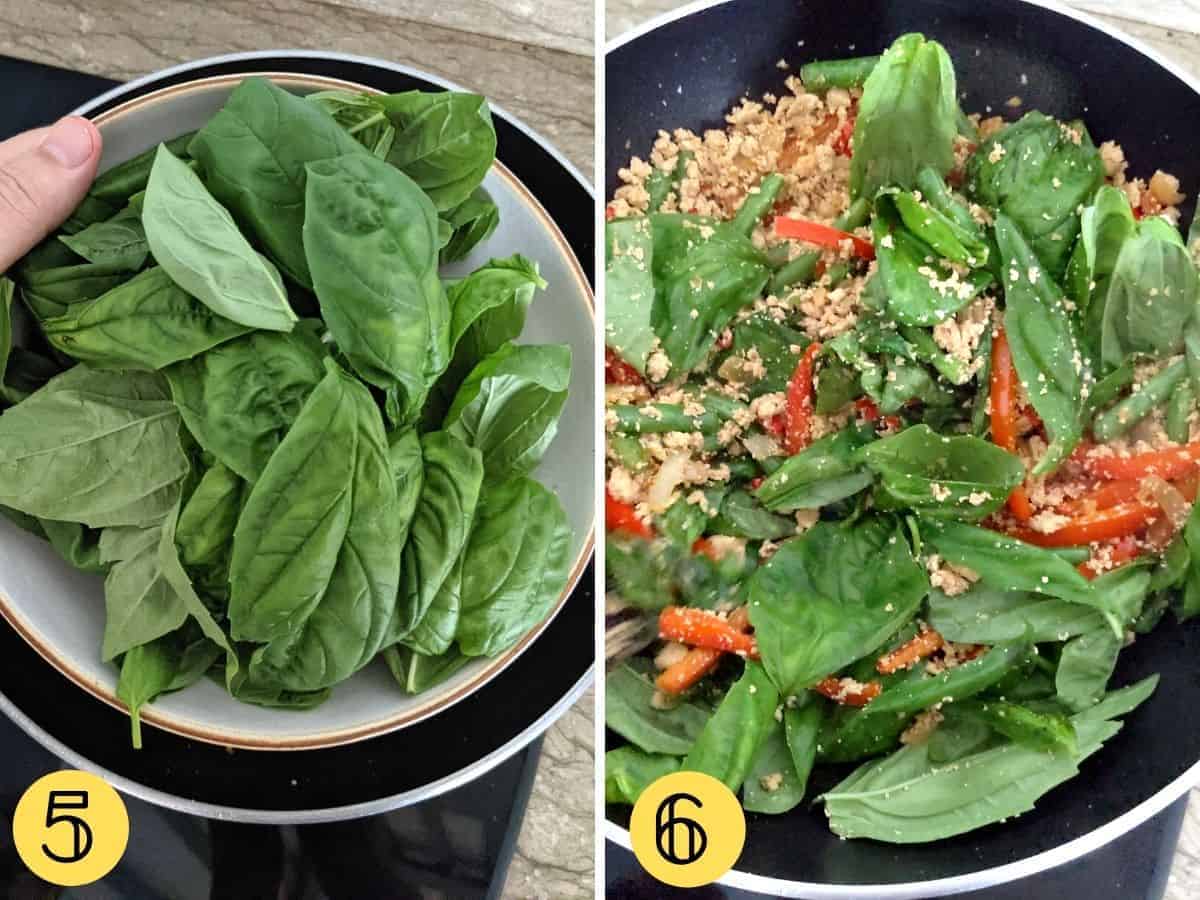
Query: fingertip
x=73, y=142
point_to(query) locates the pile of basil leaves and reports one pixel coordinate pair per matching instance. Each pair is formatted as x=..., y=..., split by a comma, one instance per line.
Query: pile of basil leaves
x=1087, y=292
x=252, y=404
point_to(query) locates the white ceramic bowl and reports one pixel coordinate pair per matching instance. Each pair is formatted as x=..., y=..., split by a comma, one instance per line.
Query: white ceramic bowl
x=60, y=611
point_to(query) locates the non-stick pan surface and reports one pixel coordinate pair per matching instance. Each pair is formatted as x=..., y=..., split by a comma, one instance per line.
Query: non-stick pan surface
x=688, y=72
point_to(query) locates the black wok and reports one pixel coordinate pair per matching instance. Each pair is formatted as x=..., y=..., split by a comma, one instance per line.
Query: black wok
x=687, y=71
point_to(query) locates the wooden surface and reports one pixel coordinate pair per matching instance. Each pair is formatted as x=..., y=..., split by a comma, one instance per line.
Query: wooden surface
x=1180, y=43
x=531, y=58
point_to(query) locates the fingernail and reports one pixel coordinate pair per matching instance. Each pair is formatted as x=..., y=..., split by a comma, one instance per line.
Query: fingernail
x=70, y=142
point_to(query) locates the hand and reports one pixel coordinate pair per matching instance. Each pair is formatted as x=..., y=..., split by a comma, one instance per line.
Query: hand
x=44, y=174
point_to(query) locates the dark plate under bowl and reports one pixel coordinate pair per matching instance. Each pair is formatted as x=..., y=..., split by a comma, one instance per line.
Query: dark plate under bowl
x=385, y=772
x=688, y=72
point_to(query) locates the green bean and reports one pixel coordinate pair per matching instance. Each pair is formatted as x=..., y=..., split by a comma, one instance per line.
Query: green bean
x=660, y=184
x=743, y=468
x=628, y=451
x=757, y=204
x=843, y=73
x=1191, y=352
x=837, y=273
x=1073, y=555
x=1183, y=400
x=659, y=418
x=1119, y=418
x=802, y=269
x=1106, y=390
x=950, y=367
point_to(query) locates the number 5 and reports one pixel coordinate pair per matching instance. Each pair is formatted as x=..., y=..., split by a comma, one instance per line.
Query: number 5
x=82, y=831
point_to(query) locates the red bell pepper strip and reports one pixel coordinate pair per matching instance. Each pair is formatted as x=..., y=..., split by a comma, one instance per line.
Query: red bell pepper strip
x=1123, y=551
x=845, y=692
x=699, y=661
x=1166, y=464
x=617, y=371
x=798, y=411
x=701, y=628
x=925, y=642
x=619, y=516
x=1101, y=525
x=1109, y=494
x=821, y=235
x=1003, y=397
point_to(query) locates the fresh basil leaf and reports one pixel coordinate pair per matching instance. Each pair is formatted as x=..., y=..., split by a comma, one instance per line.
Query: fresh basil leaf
x=1039, y=173
x=957, y=477
x=508, y=407
x=94, y=447
x=416, y=672
x=629, y=289
x=629, y=710
x=1085, y=666
x=822, y=473
x=772, y=785
x=1152, y=294
x=49, y=292
x=704, y=273
x=445, y=142
x=239, y=399
x=727, y=745
x=907, y=117
x=140, y=602
x=197, y=243
x=516, y=565
x=316, y=555
x=120, y=240
x=363, y=117
x=473, y=222
x=628, y=771
x=741, y=515
x=831, y=596
x=158, y=667
x=118, y=186
x=149, y=322
x=440, y=526
x=253, y=153
x=208, y=518
x=988, y=615
x=78, y=545
x=370, y=236
x=435, y=631
x=1045, y=347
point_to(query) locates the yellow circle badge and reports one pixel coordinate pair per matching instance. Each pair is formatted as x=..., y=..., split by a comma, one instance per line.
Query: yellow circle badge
x=687, y=829
x=70, y=828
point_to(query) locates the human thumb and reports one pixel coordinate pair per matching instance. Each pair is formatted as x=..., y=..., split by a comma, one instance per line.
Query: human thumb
x=41, y=182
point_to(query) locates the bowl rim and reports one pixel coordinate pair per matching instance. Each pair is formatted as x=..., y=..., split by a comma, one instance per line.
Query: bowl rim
x=1031, y=865
x=190, y=728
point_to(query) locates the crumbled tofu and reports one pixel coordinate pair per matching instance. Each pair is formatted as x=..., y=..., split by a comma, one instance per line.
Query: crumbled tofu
x=952, y=580
x=924, y=725
x=772, y=782
x=623, y=486
x=658, y=366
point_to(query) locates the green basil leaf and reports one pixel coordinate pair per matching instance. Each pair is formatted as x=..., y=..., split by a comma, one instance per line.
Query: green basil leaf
x=629, y=290
x=831, y=596
x=416, y=672
x=729, y=741
x=957, y=477
x=1039, y=172
x=1085, y=666
x=440, y=526
x=1045, y=347
x=704, y=273
x=987, y=615
x=253, y=153
x=473, y=222
x=94, y=447
x=907, y=117
x=200, y=247
x=435, y=631
x=1104, y=227
x=516, y=565
x=120, y=240
x=239, y=399
x=140, y=602
x=445, y=142
x=629, y=710
x=316, y=554
x=77, y=544
x=508, y=407
x=208, y=518
x=370, y=236
x=628, y=771
x=163, y=665
x=822, y=473
x=741, y=515
x=362, y=116
x=772, y=785
x=149, y=322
